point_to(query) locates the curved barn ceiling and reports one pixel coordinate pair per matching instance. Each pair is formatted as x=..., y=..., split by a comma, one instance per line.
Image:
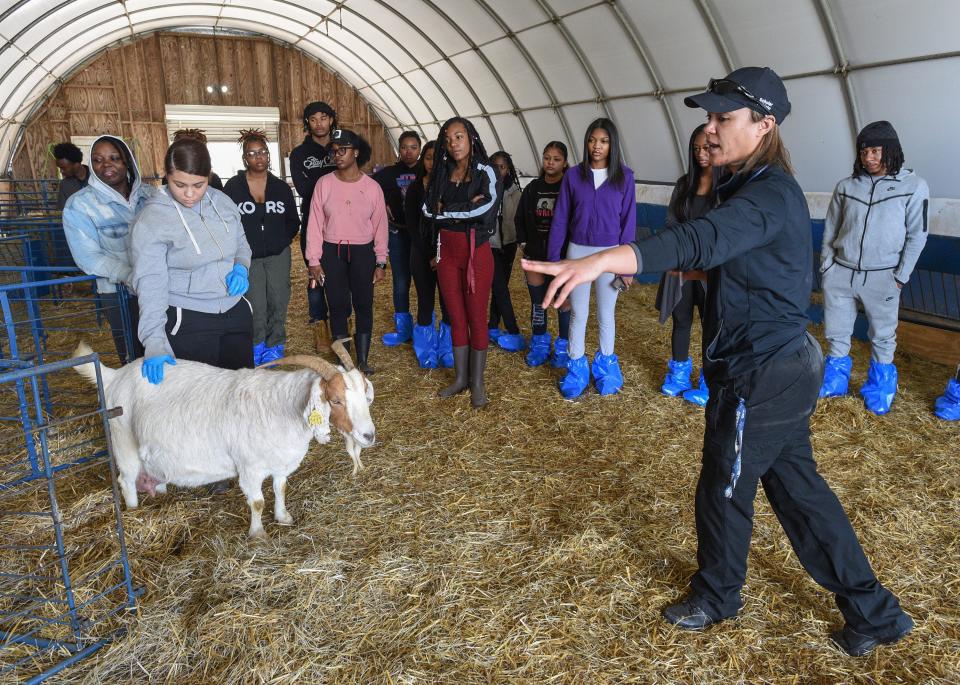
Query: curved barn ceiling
x=529, y=71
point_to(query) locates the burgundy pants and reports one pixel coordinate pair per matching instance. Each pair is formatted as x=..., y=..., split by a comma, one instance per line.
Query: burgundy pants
x=467, y=308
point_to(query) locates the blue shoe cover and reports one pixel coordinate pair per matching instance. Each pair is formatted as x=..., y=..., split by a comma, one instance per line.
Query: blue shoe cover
x=445, y=346
x=836, y=376
x=677, y=379
x=494, y=334
x=271, y=354
x=607, y=377
x=880, y=388
x=947, y=406
x=699, y=395
x=560, y=358
x=512, y=342
x=576, y=379
x=425, y=346
x=258, y=351
x=539, y=350
x=404, y=323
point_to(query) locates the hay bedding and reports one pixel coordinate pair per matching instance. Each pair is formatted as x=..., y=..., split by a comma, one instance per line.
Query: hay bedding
x=536, y=542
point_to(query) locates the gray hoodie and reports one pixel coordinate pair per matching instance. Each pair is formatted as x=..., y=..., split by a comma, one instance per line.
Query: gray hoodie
x=181, y=258
x=876, y=223
x=96, y=222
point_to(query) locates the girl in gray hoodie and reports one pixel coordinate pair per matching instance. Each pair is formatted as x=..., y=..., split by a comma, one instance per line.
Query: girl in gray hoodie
x=190, y=261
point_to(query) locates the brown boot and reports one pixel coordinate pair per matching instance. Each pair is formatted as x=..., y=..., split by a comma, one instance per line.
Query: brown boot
x=478, y=393
x=321, y=336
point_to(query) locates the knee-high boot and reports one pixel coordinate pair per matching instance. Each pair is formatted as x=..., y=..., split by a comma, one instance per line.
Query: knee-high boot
x=461, y=367
x=478, y=393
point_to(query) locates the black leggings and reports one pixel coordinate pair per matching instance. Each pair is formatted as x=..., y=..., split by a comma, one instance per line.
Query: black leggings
x=501, y=306
x=223, y=340
x=425, y=281
x=691, y=295
x=348, y=270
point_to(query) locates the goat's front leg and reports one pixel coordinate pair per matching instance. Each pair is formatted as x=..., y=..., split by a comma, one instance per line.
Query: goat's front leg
x=252, y=486
x=280, y=513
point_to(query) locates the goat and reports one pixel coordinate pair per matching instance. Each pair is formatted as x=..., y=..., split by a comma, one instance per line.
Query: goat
x=204, y=424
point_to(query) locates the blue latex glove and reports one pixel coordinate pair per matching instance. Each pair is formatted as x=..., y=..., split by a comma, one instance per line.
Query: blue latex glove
x=152, y=368
x=237, y=280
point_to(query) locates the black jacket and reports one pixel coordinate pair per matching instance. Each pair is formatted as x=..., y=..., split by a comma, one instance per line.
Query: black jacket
x=395, y=180
x=269, y=225
x=309, y=162
x=464, y=215
x=758, y=251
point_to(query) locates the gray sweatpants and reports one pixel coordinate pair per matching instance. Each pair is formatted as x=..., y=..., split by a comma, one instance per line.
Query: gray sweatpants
x=580, y=307
x=269, y=296
x=877, y=291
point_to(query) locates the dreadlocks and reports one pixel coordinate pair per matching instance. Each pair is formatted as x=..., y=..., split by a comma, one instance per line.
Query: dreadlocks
x=190, y=134
x=252, y=135
x=441, y=171
x=512, y=179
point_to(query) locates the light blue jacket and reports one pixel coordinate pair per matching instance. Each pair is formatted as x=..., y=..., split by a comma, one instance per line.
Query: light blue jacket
x=181, y=258
x=97, y=220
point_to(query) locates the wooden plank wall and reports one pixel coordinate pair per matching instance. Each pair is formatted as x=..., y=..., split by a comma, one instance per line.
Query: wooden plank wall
x=126, y=88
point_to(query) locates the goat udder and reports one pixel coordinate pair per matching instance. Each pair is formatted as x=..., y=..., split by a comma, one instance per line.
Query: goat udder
x=147, y=483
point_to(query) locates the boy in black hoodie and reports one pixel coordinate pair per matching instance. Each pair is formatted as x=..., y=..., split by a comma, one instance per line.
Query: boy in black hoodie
x=309, y=162
x=270, y=222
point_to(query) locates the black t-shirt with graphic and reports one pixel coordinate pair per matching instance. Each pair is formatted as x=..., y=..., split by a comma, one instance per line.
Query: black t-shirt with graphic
x=534, y=216
x=395, y=180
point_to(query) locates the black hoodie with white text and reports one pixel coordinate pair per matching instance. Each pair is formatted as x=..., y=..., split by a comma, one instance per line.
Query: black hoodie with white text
x=270, y=225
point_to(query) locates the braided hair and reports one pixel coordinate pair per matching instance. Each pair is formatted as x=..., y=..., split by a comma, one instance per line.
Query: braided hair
x=250, y=135
x=512, y=178
x=440, y=177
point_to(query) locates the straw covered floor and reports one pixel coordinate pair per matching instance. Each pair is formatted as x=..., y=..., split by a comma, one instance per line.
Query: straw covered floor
x=535, y=541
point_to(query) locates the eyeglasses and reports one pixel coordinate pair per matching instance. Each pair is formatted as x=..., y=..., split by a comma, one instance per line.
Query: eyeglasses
x=342, y=150
x=253, y=154
x=724, y=86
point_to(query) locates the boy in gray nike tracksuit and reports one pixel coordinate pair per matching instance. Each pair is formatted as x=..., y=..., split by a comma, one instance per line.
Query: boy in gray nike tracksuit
x=874, y=232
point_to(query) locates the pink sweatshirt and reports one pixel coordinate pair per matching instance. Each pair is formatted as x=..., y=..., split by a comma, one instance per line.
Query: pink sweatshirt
x=348, y=213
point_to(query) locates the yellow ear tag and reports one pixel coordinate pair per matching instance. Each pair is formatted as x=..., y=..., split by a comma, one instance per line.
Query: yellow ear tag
x=315, y=418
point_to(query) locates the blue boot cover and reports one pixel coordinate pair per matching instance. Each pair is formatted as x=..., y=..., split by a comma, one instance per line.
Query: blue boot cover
x=512, y=342
x=258, y=350
x=576, y=379
x=947, y=406
x=271, y=354
x=607, y=377
x=559, y=359
x=425, y=346
x=494, y=334
x=404, y=323
x=677, y=379
x=836, y=376
x=700, y=395
x=445, y=346
x=880, y=387
x=539, y=350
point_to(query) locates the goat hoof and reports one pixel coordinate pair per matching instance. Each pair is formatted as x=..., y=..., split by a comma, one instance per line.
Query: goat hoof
x=285, y=520
x=259, y=534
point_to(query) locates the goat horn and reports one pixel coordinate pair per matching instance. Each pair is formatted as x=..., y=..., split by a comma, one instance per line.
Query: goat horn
x=342, y=353
x=321, y=366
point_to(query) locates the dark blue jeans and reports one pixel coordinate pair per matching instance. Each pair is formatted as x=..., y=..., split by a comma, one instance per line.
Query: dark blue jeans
x=779, y=397
x=399, y=245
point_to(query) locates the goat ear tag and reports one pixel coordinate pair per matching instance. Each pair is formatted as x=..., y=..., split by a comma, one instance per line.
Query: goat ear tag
x=315, y=418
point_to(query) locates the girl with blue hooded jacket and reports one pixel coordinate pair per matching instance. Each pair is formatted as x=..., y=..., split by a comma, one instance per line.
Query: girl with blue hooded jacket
x=96, y=222
x=190, y=262
x=596, y=209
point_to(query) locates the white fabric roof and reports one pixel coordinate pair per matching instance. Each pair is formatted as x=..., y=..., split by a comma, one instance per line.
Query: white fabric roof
x=528, y=71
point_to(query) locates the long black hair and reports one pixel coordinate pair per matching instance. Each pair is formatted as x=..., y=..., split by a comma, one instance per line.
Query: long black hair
x=615, y=173
x=891, y=158
x=442, y=164
x=512, y=178
x=421, y=169
x=688, y=184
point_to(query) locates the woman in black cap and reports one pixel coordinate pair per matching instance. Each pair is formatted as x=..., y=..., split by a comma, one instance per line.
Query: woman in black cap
x=763, y=368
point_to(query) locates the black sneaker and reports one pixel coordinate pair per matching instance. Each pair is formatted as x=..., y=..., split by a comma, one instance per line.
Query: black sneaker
x=689, y=615
x=858, y=644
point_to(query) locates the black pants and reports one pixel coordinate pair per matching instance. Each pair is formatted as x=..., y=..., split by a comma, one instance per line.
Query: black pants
x=780, y=397
x=112, y=308
x=501, y=306
x=223, y=340
x=349, y=273
x=691, y=295
x=425, y=281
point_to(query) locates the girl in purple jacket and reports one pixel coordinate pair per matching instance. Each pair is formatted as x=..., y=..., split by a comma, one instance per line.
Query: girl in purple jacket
x=596, y=209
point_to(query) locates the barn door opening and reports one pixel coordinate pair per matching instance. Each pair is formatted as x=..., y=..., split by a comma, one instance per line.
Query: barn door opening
x=222, y=126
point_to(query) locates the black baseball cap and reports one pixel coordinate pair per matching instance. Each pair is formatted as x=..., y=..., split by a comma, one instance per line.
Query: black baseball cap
x=758, y=88
x=344, y=137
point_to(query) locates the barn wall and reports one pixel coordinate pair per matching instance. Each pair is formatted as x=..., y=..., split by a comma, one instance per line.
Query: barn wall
x=125, y=89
